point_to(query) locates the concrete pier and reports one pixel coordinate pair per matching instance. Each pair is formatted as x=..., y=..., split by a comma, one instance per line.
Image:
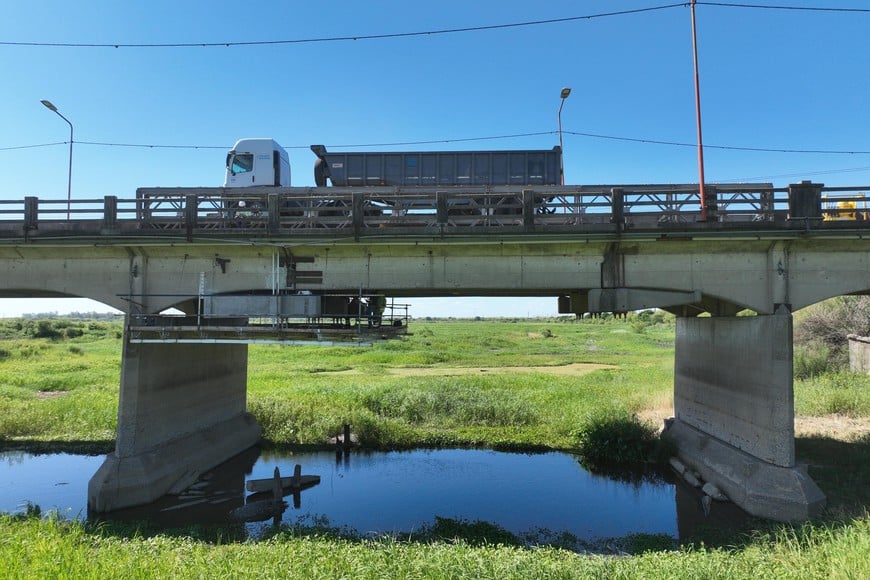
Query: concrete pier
x=734, y=407
x=181, y=412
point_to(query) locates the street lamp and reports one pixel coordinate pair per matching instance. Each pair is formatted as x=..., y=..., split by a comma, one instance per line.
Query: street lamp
x=564, y=95
x=51, y=107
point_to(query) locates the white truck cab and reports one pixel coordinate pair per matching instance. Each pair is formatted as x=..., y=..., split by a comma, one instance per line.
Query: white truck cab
x=257, y=162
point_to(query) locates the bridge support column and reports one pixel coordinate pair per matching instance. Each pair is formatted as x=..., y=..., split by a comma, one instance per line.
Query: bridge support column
x=734, y=407
x=181, y=412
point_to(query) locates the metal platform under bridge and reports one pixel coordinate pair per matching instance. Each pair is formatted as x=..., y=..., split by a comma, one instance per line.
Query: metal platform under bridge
x=277, y=319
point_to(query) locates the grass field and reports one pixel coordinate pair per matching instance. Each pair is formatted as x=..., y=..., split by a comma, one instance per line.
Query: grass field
x=507, y=384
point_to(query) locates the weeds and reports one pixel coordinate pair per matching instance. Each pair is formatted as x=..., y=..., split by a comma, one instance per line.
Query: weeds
x=841, y=393
x=613, y=437
x=810, y=360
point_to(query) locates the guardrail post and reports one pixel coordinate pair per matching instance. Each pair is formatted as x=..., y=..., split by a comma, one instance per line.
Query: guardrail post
x=358, y=205
x=110, y=212
x=31, y=213
x=711, y=203
x=805, y=201
x=528, y=209
x=191, y=205
x=617, y=208
x=767, y=205
x=273, y=206
x=441, y=207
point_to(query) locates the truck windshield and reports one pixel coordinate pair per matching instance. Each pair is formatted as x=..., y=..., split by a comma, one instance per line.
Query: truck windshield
x=242, y=163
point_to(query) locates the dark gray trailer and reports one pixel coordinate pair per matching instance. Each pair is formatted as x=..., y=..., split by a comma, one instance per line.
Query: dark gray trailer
x=436, y=168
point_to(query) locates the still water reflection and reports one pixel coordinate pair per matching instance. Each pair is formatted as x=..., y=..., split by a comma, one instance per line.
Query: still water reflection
x=393, y=492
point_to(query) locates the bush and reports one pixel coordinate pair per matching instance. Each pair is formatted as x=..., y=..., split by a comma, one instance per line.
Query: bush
x=614, y=437
x=841, y=393
x=640, y=321
x=830, y=322
x=73, y=332
x=810, y=360
x=45, y=329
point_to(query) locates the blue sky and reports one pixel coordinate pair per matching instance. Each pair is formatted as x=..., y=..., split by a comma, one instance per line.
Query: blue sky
x=770, y=79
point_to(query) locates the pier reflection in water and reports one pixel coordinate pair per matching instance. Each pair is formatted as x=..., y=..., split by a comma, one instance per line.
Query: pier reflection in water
x=373, y=493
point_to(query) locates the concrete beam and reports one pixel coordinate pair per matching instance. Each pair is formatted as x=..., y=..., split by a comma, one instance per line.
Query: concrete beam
x=181, y=412
x=627, y=299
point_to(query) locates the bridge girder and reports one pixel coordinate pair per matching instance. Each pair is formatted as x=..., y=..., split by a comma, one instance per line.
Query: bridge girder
x=720, y=276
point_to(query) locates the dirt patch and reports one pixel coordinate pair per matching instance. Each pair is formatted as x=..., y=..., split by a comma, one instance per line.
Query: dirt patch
x=838, y=427
x=575, y=369
x=658, y=410
x=50, y=394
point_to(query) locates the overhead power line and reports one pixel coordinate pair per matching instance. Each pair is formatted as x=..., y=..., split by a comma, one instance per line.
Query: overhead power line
x=725, y=147
x=34, y=146
x=435, y=32
x=347, y=38
x=798, y=174
x=793, y=8
x=469, y=139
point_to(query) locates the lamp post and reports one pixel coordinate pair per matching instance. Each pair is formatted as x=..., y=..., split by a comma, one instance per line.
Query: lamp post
x=564, y=95
x=51, y=107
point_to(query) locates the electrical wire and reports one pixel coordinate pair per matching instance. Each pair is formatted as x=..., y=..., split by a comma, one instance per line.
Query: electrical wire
x=435, y=32
x=470, y=139
x=723, y=147
x=781, y=7
x=348, y=38
x=802, y=174
x=34, y=146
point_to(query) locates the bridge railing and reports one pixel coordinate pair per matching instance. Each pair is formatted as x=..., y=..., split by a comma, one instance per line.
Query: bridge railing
x=428, y=210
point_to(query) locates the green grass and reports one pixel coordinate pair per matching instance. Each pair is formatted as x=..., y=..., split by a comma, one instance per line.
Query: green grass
x=840, y=393
x=298, y=399
x=59, y=389
x=48, y=548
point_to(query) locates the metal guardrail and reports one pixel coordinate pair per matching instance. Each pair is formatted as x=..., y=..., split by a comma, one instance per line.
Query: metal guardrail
x=374, y=211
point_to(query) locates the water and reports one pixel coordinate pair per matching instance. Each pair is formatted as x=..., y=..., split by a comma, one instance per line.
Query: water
x=372, y=493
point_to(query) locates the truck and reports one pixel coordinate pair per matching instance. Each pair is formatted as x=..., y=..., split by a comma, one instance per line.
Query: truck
x=253, y=162
x=263, y=162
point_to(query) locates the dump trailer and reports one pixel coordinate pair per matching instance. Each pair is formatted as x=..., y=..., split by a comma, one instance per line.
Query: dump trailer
x=437, y=168
x=263, y=162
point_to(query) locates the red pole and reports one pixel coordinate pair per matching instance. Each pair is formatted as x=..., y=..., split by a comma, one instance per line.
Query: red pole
x=698, y=116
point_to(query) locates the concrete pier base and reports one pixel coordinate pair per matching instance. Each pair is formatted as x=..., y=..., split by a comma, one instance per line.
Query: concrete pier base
x=181, y=412
x=759, y=487
x=734, y=407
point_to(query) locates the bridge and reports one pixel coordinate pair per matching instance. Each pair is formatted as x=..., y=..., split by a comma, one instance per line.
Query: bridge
x=266, y=264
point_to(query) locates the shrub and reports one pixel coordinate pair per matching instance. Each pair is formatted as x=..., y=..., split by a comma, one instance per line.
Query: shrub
x=830, y=322
x=810, y=360
x=45, y=329
x=841, y=393
x=73, y=332
x=615, y=437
